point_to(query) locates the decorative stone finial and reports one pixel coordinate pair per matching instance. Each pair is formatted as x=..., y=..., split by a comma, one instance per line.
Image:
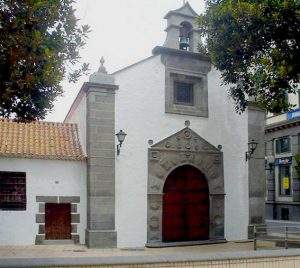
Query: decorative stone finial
x=150, y=142
x=102, y=69
x=101, y=76
x=187, y=123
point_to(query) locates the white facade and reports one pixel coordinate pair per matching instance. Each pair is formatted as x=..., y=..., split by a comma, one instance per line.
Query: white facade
x=140, y=112
x=43, y=178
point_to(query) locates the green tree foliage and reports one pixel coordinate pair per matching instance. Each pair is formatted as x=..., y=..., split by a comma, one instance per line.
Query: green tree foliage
x=256, y=46
x=39, y=46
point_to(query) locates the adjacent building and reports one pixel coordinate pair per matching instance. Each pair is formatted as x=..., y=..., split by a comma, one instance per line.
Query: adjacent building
x=42, y=183
x=283, y=181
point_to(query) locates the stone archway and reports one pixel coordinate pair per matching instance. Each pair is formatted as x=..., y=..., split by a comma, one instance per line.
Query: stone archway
x=184, y=148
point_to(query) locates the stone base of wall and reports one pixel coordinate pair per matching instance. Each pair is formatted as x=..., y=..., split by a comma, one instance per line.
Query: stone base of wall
x=101, y=239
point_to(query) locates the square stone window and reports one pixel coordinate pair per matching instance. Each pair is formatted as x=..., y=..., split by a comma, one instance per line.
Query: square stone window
x=186, y=94
x=183, y=93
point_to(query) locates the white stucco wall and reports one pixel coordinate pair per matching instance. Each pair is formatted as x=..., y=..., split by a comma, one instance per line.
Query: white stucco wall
x=140, y=112
x=20, y=227
x=78, y=116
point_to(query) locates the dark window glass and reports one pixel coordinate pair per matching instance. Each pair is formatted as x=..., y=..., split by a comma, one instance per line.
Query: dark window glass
x=285, y=214
x=12, y=190
x=283, y=145
x=284, y=180
x=183, y=93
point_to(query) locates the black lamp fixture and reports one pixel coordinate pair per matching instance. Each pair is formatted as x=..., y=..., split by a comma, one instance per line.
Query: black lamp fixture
x=121, y=135
x=252, y=145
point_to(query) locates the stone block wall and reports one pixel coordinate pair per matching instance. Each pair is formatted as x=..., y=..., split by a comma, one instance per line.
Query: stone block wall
x=101, y=166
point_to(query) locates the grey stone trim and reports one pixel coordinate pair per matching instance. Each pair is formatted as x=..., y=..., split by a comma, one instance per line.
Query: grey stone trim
x=47, y=199
x=75, y=218
x=73, y=228
x=69, y=199
x=160, y=50
x=87, y=86
x=200, y=94
x=75, y=238
x=42, y=229
x=256, y=166
x=101, y=239
x=101, y=165
x=39, y=239
x=73, y=208
x=41, y=207
x=184, y=147
x=186, y=67
x=40, y=218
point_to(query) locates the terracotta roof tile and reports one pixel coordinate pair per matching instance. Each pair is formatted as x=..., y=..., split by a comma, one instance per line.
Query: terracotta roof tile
x=45, y=140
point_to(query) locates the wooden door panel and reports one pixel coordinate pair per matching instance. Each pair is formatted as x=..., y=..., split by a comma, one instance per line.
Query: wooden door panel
x=58, y=221
x=185, y=206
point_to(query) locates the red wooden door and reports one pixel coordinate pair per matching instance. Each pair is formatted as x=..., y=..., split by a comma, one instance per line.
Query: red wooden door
x=58, y=221
x=185, y=206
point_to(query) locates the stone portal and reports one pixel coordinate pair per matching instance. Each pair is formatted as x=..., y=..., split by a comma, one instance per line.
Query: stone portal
x=184, y=148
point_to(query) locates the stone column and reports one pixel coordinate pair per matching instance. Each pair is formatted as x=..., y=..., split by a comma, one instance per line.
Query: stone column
x=100, y=232
x=256, y=168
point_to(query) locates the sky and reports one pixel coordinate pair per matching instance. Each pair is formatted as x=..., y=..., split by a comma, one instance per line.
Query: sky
x=123, y=32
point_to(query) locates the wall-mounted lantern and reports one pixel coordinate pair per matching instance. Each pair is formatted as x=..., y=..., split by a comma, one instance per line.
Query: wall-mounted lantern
x=252, y=145
x=121, y=135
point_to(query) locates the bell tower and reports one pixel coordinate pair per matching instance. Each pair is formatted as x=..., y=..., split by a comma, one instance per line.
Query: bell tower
x=182, y=31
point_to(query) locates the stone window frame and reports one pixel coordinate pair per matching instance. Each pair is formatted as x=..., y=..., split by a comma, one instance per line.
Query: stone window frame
x=40, y=216
x=200, y=93
x=191, y=93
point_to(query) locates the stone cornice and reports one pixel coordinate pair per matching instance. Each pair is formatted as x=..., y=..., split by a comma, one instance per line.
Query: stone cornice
x=282, y=125
x=87, y=86
x=170, y=13
x=158, y=50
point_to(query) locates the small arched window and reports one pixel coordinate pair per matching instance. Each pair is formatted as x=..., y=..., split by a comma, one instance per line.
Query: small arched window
x=185, y=36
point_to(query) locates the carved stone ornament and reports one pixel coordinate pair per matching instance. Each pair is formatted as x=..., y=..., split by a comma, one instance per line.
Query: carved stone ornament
x=185, y=147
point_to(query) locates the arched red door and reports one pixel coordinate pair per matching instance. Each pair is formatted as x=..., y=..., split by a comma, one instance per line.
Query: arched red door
x=185, y=206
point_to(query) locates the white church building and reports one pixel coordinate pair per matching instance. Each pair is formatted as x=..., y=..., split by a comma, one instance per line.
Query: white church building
x=180, y=176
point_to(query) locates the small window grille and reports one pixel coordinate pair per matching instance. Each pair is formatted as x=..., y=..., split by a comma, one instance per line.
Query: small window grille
x=183, y=93
x=12, y=190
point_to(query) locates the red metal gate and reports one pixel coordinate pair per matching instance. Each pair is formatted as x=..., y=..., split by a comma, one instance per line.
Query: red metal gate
x=185, y=206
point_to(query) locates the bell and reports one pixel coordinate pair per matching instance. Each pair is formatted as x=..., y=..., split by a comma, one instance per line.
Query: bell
x=184, y=43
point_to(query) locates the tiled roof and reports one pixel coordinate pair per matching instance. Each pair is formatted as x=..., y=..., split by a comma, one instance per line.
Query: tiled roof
x=45, y=140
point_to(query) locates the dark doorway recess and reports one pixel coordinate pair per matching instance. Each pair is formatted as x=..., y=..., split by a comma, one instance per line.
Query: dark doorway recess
x=57, y=221
x=185, y=206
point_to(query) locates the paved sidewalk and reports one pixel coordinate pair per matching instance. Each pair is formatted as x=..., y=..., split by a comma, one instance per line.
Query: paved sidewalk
x=76, y=255
x=54, y=251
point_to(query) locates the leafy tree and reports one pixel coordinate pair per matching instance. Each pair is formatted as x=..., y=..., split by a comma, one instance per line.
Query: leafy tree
x=256, y=46
x=39, y=46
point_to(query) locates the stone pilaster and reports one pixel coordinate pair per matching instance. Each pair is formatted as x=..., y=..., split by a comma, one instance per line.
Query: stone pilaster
x=100, y=92
x=256, y=167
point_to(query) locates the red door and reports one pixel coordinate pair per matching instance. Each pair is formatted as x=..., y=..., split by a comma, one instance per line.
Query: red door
x=58, y=221
x=185, y=206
